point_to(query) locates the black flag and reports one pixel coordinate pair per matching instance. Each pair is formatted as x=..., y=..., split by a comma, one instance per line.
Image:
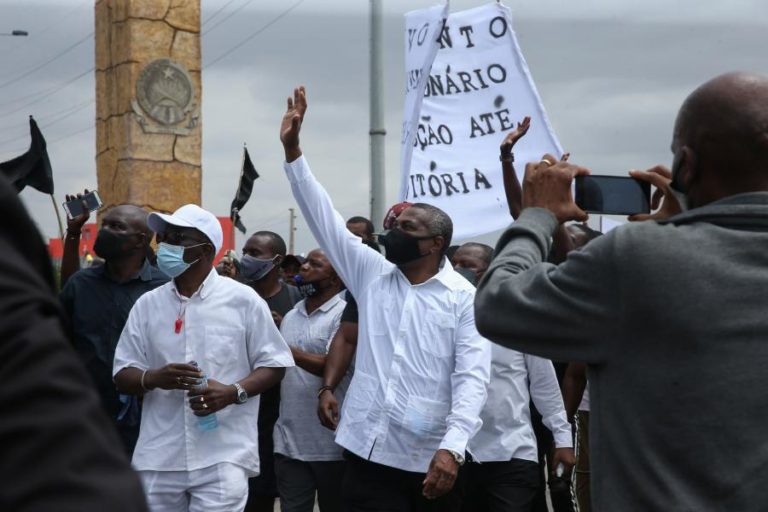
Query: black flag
x=247, y=175
x=33, y=167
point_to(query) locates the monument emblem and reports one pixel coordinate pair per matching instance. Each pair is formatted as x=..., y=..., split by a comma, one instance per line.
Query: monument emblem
x=165, y=94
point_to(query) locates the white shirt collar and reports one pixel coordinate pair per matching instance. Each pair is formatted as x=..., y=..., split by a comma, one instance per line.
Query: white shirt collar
x=205, y=287
x=324, y=307
x=446, y=276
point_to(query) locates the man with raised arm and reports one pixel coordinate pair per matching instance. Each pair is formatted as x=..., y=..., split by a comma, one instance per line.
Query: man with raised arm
x=421, y=368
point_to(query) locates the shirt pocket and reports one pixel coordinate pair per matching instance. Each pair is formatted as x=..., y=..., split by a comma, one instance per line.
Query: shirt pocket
x=222, y=346
x=438, y=333
x=360, y=397
x=425, y=417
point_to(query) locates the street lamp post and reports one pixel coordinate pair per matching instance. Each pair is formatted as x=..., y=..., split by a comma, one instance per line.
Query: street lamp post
x=15, y=33
x=377, y=131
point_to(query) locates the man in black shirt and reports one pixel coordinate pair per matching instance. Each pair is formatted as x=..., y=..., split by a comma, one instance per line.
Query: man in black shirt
x=260, y=269
x=97, y=301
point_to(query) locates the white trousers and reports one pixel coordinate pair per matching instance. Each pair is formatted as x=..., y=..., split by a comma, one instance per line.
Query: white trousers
x=219, y=488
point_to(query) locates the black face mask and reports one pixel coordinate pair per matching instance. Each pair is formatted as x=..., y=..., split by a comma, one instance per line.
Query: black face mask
x=306, y=289
x=401, y=248
x=109, y=245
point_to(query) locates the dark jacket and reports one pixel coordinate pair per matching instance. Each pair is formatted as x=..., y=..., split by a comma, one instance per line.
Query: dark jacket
x=60, y=451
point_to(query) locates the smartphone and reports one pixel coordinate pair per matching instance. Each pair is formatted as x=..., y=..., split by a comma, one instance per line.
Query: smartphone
x=612, y=195
x=75, y=207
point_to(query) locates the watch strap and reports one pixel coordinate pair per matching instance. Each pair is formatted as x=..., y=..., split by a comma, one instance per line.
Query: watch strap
x=459, y=458
x=242, y=395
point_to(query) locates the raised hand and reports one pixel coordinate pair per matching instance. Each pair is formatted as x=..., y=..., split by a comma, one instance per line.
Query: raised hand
x=291, y=125
x=515, y=135
x=547, y=184
x=660, y=177
x=75, y=224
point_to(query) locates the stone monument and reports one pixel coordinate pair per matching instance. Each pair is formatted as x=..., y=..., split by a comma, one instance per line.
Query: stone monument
x=148, y=103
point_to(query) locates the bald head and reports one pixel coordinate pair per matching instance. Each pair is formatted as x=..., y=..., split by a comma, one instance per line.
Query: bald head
x=721, y=138
x=133, y=217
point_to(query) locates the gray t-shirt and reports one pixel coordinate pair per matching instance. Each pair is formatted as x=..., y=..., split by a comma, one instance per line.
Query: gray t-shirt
x=298, y=433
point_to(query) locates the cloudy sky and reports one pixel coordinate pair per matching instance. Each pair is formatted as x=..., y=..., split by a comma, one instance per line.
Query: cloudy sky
x=611, y=74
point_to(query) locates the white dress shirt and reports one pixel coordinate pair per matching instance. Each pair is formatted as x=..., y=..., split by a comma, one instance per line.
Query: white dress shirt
x=507, y=432
x=421, y=368
x=297, y=433
x=228, y=329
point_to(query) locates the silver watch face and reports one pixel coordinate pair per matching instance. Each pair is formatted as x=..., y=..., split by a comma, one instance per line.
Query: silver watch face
x=242, y=396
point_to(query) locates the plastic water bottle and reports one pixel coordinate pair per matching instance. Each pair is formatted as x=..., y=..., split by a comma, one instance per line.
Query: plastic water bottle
x=209, y=422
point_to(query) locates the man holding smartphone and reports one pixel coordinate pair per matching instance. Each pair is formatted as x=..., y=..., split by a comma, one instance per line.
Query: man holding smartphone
x=97, y=301
x=668, y=314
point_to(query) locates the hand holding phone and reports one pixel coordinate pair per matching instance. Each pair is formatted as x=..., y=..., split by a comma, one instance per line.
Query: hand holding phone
x=79, y=208
x=547, y=184
x=663, y=203
x=613, y=195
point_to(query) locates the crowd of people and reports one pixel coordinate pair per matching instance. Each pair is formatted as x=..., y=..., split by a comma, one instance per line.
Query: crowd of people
x=398, y=372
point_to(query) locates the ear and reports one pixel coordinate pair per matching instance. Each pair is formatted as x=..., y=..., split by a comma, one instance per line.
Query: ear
x=439, y=244
x=278, y=259
x=688, y=172
x=210, y=250
x=144, y=239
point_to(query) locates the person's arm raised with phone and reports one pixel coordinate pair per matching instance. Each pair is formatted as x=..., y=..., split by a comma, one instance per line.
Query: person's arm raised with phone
x=70, y=260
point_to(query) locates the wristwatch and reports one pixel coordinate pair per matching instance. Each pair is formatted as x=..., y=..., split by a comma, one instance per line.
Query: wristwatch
x=242, y=395
x=459, y=458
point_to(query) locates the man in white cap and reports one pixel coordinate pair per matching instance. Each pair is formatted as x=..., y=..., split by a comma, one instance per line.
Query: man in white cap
x=188, y=460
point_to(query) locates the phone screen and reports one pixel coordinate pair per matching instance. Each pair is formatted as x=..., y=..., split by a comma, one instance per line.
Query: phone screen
x=75, y=207
x=613, y=195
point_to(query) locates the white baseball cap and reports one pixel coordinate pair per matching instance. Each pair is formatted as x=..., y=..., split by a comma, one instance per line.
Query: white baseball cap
x=190, y=216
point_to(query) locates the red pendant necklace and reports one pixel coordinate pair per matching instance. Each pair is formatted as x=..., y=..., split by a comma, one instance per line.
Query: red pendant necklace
x=180, y=317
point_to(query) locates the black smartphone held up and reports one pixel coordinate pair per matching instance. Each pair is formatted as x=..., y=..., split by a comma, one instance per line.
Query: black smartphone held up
x=612, y=195
x=75, y=207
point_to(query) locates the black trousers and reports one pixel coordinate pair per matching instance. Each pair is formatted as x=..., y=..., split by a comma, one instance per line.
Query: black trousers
x=508, y=486
x=298, y=481
x=371, y=487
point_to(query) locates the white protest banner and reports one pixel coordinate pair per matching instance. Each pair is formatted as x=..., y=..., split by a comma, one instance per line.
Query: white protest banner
x=478, y=88
x=422, y=28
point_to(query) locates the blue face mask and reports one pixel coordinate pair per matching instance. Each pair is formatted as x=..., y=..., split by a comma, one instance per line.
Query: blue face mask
x=170, y=259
